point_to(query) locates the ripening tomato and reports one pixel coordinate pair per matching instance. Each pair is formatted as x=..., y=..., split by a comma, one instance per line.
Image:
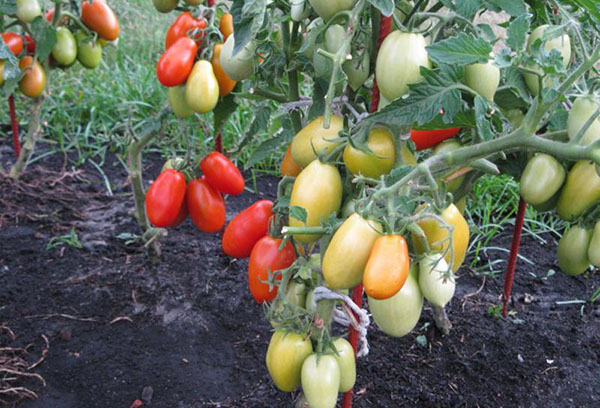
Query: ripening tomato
x=185, y=24
x=222, y=174
x=28, y=10
x=376, y=164
x=176, y=97
x=176, y=64
x=542, y=178
x=315, y=138
x=387, y=268
x=285, y=356
x=34, y=81
x=14, y=42
x=288, y=166
x=265, y=257
x=194, y=2
x=572, y=252
x=165, y=198
x=348, y=252
x=399, y=61
x=206, y=206
x=483, y=79
x=29, y=44
x=202, y=88
x=89, y=52
x=246, y=228
x=437, y=289
x=240, y=66
x=98, y=16
x=226, y=84
x=226, y=25
x=594, y=247
x=580, y=192
x=1, y=72
x=583, y=108
x=317, y=189
x=328, y=8
x=165, y=6
x=321, y=380
x=357, y=70
x=424, y=139
x=347, y=363
x=65, y=49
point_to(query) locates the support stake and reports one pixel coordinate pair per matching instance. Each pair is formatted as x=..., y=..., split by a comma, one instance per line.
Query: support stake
x=14, y=125
x=514, y=252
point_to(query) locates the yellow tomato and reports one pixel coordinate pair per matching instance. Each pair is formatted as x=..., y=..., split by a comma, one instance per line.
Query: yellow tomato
x=315, y=138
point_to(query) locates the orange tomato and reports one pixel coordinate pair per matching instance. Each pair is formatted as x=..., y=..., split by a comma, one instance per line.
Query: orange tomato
x=34, y=81
x=226, y=84
x=288, y=166
x=387, y=268
x=226, y=25
x=100, y=18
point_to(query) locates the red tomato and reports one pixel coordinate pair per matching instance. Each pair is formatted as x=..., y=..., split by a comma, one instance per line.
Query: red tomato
x=266, y=257
x=424, y=139
x=100, y=18
x=29, y=44
x=165, y=198
x=14, y=42
x=182, y=26
x=181, y=215
x=206, y=206
x=50, y=15
x=222, y=174
x=246, y=229
x=176, y=63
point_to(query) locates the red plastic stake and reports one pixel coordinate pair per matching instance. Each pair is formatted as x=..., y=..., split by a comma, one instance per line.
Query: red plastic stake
x=15, y=125
x=514, y=253
x=357, y=293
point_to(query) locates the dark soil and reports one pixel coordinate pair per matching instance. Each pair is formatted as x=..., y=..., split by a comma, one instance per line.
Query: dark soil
x=187, y=327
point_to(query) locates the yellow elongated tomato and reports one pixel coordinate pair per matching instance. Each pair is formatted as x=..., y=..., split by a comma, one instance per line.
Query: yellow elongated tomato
x=34, y=81
x=580, y=192
x=583, y=108
x=348, y=252
x=321, y=380
x=542, y=178
x=594, y=247
x=374, y=165
x=288, y=166
x=483, y=78
x=314, y=137
x=240, y=66
x=347, y=363
x=285, y=356
x=399, y=61
x=437, y=289
x=176, y=96
x=561, y=43
x=202, y=88
x=435, y=233
x=317, y=189
x=398, y=315
x=328, y=8
x=387, y=268
x=572, y=252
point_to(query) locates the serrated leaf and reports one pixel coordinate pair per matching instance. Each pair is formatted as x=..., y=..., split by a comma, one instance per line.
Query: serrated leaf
x=267, y=148
x=513, y=7
x=44, y=35
x=487, y=31
x=517, y=32
x=558, y=119
x=318, y=106
x=462, y=49
x=298, y=213
x=247, y=21
x=468, y=8
x=484, y=127
x=386, y=7
x=223, y=111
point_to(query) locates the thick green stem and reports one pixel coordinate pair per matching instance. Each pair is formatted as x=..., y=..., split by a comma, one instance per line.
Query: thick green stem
x=33, y=132
x=77, y=21
x=303, y=230
x=293, y=89
x=277, y=97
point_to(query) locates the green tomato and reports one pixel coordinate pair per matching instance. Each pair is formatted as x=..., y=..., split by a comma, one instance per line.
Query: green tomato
x=399, y=61
x=317, y=189
x=347, y=363
x=89, y=52
x=542, y=179
x=450, y=145
x=28, y=10
x=515, y=117
x=315, y=138
x=594, y=247
x=240, y=66
x=321, y=380
x=583, y=109
x=357, y=71
x=65, y=49
x=398, y=315
x=202, y=88
x=435, y=288
x=296, y=294
x=334, y=38
x=573, y=251
x=328, y=8
x=285, y=355
x=483, y=78
x=562, y=44
x=176, y=96
x=376, y=164
x=165, y=6
x=580, y=192
x=175, y=163
x=548, y=205
x=300, y=10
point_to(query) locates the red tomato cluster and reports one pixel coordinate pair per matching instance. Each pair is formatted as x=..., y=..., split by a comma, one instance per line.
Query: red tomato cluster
x=424, y=139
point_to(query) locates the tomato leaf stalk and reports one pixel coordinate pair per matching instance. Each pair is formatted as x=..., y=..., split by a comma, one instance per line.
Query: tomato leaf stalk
x=33, y=132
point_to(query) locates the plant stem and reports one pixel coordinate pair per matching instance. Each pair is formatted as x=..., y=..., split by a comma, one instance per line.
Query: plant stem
x=442, y=322
x=303, y=230
x=33, y=133
x=293, y=89
x=277, y=97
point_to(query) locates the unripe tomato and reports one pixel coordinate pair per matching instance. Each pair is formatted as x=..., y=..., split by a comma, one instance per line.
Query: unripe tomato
x=175, y=65
x=288, y=166
x=222, y=174
x=572, y=251
x=348, y=252
x=34, y=81
x=206, y=206
x=387, y=268
x=434, y=232
x=265, y=257
x=515, y=117
x=562, y=44
x=226, y=84
x=334, y=38
x=398, y=315
x=240, y=66
x=594, y=247
x=194, y=2
x=424, y=139
x=580, y=192
x=14, y=41
x=437, y=289
x=296, y=293
x=165, y=6
x=65, y=49
x=328, y=8
x=321, y=380
x=89, y=53
x=246, y=228
x=176, y=96
x=450, y=145
x=202, y=88
x=583, y=108
x=300, y=10
x=226, y=25
x=98, y=16
x=399, y=61
x=317, y=189
x=483, y=79
x=184, y=24
x=347, y=363
x=375, y=164
x=542, y=178
x=357, y=71
x=28, y=10
x=165, y=198
x=314, y=137
x=285, y=356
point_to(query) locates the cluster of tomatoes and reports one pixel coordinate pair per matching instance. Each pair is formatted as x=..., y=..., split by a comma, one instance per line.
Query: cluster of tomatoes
x=85, y=47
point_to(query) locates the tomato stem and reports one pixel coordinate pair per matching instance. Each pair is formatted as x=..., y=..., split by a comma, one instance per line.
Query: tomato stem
x=33, y=131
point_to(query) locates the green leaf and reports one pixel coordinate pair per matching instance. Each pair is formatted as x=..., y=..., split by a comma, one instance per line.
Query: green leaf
x=591, y=7
x=267, y=148
x=484, y=127
x=468, y=8
x=386, y=7
x=8, y=6
x=317, y=108
x=517, y=32
x=298, y=213
x=248, y=18
x=558, y=119
x=513, y=7
x=461, y=119
x=223, y=111
x=44, y=35
x=462, y=49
